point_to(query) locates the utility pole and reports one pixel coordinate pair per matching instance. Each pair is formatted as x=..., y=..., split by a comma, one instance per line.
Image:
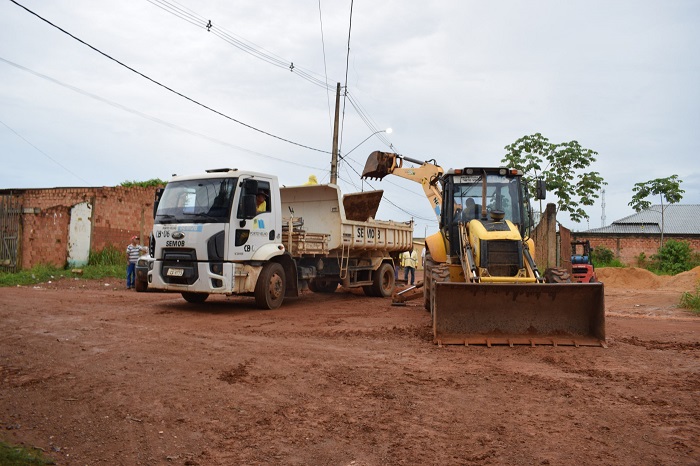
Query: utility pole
x=334, y=156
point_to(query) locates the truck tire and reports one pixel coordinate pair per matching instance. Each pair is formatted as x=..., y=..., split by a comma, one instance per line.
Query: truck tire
x=195, y=298
x=323, y=286
x=140, y=285
x=269, y=290
x=557, y=275
x=383, y=281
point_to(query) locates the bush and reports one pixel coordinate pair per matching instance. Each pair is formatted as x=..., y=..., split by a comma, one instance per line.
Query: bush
x=152, y=183
x=604, y=257
x=691, y=300
x=673, y=258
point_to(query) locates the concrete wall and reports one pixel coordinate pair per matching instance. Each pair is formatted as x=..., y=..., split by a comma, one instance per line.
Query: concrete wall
x=117, y=214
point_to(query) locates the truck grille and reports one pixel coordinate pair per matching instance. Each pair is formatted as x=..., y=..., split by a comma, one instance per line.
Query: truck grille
x=502, y=258
x=179, y=266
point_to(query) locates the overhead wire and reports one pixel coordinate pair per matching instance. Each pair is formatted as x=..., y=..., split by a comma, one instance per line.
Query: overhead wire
x=166, y=87
x=151, y=118
x=45, y=154
x=325, y=69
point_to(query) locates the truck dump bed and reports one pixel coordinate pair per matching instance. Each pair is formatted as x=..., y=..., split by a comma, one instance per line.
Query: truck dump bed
x=322, y=209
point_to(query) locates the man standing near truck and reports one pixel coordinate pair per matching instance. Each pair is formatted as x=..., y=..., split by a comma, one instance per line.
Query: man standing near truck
x=133, y=252
x=409, y=260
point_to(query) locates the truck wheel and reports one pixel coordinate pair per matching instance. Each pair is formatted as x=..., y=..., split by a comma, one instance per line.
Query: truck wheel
x=557, y=275
x=383, y=281
x=195, y=298
x=141, y=285
x=269, y=290
x=323, y=287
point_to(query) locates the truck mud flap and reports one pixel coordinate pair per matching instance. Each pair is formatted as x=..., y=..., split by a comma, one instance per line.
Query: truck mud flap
x=519, y=314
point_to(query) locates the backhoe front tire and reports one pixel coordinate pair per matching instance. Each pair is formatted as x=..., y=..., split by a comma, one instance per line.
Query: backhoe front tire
x=557, y=275
x=427, y=271
x=270, y=288
x=439, y=273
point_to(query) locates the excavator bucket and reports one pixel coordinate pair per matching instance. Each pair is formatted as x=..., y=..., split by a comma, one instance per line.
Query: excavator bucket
x=519, y=314
x=378, y=165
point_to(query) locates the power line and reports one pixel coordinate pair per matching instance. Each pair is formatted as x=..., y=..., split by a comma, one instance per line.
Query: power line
x=45, y=154
x=166, y=87
x=261, y=53
x=149, y=117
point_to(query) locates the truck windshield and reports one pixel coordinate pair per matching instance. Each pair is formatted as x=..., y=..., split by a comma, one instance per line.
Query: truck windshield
x=502, y=193
x=196, y=201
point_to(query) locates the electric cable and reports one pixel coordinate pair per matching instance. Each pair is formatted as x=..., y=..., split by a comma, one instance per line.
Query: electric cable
x=166, y=87
x=45, y=154
x=151, y=118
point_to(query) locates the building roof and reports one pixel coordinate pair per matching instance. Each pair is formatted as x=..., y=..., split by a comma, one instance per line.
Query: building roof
x=677, y=220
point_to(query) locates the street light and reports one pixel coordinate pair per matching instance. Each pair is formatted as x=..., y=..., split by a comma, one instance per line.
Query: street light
x=334, y=160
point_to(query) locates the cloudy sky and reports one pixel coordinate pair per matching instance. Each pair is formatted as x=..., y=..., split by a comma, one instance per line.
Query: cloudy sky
x=456, y=80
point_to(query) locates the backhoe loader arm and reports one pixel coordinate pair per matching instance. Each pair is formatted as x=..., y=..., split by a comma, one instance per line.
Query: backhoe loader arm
x=380, y=164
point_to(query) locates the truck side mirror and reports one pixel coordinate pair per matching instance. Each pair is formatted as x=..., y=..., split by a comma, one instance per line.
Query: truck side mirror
x=540, y=189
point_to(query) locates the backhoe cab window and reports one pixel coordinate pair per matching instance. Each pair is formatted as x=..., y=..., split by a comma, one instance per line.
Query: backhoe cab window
x=501, y=194
x=196, y=201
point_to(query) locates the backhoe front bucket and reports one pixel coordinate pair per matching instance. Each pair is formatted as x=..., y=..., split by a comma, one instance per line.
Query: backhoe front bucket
x=378, y=165
x=519, y=314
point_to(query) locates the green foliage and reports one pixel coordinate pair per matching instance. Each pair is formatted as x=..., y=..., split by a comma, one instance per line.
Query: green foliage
x=152, y=183
x=110, y=255
x=39, y=274
x=691, y=300
x=673, y=257
x=562, y=167
x=11, y=455
x=666, y=188
x=602, y=256
x=642, y=260
x=110, y=262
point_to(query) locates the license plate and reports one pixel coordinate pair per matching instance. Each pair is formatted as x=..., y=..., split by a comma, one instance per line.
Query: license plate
x=176, y=272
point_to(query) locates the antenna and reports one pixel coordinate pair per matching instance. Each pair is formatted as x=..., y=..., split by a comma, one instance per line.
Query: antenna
x=602, y=204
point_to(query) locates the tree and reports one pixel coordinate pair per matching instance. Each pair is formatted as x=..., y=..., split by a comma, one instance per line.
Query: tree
x=562, y=167
x=668, y=188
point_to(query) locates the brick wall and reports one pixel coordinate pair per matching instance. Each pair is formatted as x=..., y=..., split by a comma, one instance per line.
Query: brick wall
x=117, y=214
x=628, y=247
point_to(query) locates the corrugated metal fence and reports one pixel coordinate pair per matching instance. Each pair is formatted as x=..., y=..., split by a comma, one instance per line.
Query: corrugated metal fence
x=10, y=228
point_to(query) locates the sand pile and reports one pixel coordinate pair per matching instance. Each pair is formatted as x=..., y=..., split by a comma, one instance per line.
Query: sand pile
x=634, y=278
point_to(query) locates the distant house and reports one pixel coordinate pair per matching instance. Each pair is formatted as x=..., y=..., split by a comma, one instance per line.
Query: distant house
x=641, y=232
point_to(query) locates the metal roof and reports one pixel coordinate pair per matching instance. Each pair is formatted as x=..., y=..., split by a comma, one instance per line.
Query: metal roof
x=678, y=219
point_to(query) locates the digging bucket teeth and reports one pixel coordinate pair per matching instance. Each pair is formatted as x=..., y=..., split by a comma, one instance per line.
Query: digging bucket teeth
x=519, y=314
x=378, y=165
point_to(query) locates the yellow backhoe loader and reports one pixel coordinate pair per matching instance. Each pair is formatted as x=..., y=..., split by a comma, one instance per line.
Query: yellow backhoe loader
x=481, y=284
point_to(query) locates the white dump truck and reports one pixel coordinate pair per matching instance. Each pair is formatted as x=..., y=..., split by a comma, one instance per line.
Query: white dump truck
x=237, y=232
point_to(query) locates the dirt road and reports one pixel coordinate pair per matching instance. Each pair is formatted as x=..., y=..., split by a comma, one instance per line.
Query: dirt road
x=94, y=374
